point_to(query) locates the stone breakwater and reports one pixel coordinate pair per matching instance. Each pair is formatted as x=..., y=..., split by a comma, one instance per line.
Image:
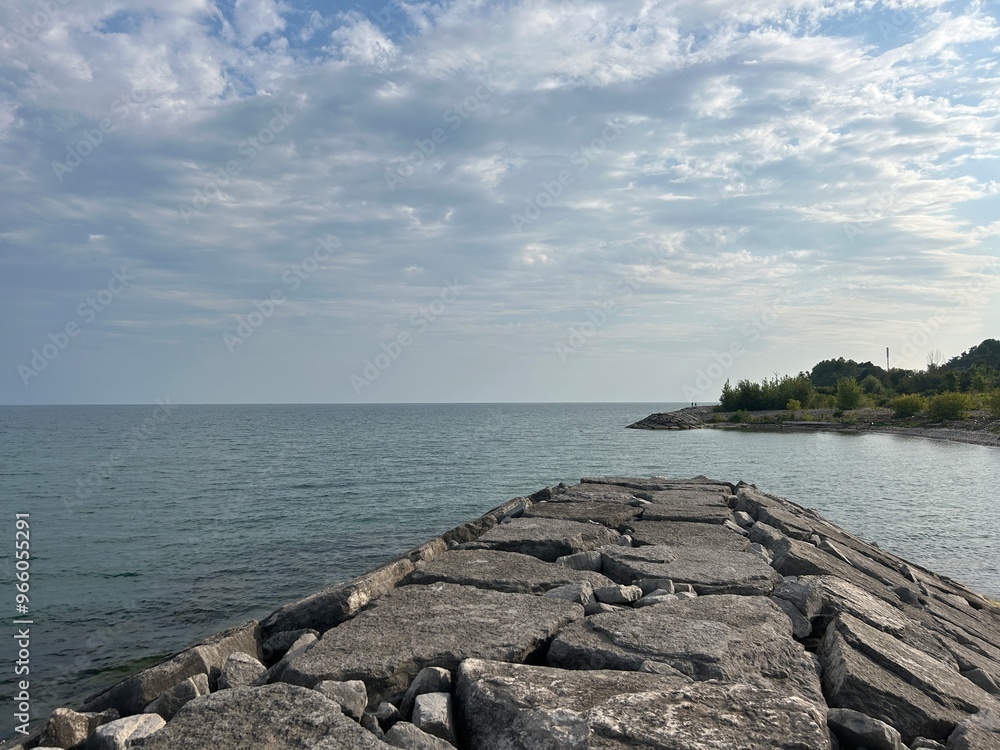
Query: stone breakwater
x=618, y=612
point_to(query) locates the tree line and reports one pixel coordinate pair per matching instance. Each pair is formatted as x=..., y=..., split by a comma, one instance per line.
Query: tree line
x=947, y=390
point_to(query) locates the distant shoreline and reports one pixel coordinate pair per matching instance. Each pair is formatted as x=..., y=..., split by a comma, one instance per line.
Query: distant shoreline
x=974, y=431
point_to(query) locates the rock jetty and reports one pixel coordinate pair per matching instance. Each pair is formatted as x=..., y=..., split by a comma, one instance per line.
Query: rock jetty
x=689, y=418
x=682, y=614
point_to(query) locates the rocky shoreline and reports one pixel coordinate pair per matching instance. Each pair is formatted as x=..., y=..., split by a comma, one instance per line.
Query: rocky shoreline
x=681, y=614
x=697, y=417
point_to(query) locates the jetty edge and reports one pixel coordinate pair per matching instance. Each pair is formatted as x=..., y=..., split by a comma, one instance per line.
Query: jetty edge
x=617, y=612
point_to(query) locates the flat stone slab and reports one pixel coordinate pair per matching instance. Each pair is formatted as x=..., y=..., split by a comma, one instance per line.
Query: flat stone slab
x=612, y=515
x=872, y=672
x=735, y=639
x=545, y=538
x=708, y=570
x=687, y=535
x=436, y=625
x=660, y=484
x=518, y=707
x=593, y=493
x=687, y=509
x=502, y=571
x=276, y=717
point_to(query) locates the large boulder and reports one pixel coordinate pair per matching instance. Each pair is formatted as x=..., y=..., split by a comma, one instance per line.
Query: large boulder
x=132, y=695
x=335, y=604
x=272, y=717
x=502, y=571
x=430, y=626
x=67, y=727
x=877, y=674
x=545, y=538
x=709, y=571
x=672, y=534
x=735, y=639
x=518, y=707
x=614, y=515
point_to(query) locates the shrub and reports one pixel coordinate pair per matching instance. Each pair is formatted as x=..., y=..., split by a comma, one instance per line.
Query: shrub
x=793, y=404
x=740, y=415
x=949, y=405
x=849, y=393
x=905, y=407
x=993, y=403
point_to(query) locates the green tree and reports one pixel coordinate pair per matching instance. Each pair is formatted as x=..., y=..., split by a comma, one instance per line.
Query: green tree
x=872, y=385
x=849, y=393
x=949, y=406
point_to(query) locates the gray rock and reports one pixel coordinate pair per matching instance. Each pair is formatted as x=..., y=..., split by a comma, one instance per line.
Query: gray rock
x=983, y=680
x=581, y=560
x=67, y=727
x=922, y=743
x=649, y=585
x=978, y=732
x=711, y=535
x=625, y=541
x=302, y=644
x=428, y=680
x=518, y=707
x=278, y=644
x=240, y=670
x=387, y=715
x=617, y=594
x=335, y=604
x=685, y=595
x=760, y=550
x=351, y=696
x=582, y=592
x=656, y=598
x=276, y=717
x=614, y=515
x=432, y=713
x=744, y=519
x=132, y=695
x=709, y=571
x=879, y=675
x=430, y=626
x=115, y=734
x=683, y=588
x=684, y=511
x=170, y=701
x=369, y=722
x=501, y=571
x=860, y=730
x=545, y=538
x=765, y=535
x=598, y=608
x=829, y=547
x=801, y=627
x=408, y=737
x=735, y=639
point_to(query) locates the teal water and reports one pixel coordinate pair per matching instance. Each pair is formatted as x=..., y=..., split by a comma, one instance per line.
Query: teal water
x=146, y=537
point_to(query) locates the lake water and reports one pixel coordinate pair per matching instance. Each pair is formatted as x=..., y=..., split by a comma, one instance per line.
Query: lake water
x=149, y=531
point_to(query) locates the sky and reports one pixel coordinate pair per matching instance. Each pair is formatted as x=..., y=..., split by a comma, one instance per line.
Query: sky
x=268, y=201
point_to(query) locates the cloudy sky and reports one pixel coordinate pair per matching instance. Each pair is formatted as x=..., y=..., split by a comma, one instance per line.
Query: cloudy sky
x=475, y=200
